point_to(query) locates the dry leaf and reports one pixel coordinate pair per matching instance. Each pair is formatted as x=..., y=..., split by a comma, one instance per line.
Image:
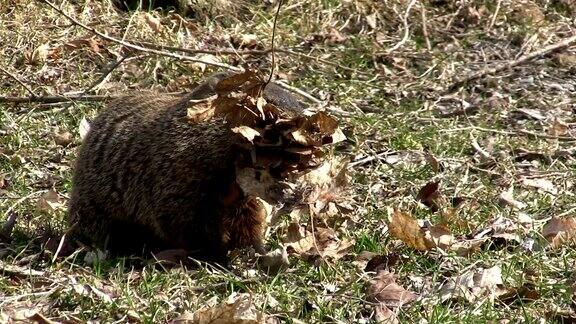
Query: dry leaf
x=473, y=285
x=93, y=43
x=274, y=261
x=40, y=319
x=335, y=36
x=49, y=201
x=542, y=184
x=12, y=270
x=238, y=82
x=63, y=139
x=525, y=294
x=388, y=295
x=468, y=247
x=531, y=113
x=318, y=129
x=237, y=309
x=324, y=184
x=382, y=262
x=298, y=240
x=433, y=162
x=560, y=231
x=501, y=232
x=338, y=136
x=430, y=195
x=152, y=21
x=208, y=58
x=383, y=314
x=507, y=198
x=200, y=110
x=248, y=132
x=330, y=245
x=39, y=55
x=322, y=243
x=559, y=128
x=384, y=289
x=248, y=40
x=91, y=291
x=372, y=21
x=405, y=228
x=439, y=236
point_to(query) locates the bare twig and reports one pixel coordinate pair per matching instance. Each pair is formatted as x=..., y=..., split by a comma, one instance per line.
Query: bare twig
x=59, y=248
x=478, y=148
x=424, y=24
x=21, y=200
x=201, y=51
x=520, y=132
x=136, y=47
x=246, y=52
x=368, y=159
x=299, y=91
x=105, y=73
x=55, y=99
x=510, y=64
x=25, y=86
x=272, y=42
x=406, y=28
x=493, y=21
x=15, y=271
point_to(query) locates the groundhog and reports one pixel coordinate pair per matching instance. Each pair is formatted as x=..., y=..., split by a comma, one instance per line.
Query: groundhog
x=146, y=179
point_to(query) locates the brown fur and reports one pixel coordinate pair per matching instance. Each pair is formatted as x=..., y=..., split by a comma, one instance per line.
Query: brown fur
x=146, y=179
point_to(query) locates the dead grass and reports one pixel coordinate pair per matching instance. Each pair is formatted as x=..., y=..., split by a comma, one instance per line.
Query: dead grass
x=481, y=141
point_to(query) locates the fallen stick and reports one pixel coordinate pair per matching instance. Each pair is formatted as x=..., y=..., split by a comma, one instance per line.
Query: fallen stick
x=510, y=64
x=24, y=85
x=133, y=46
x=55, y=99
x=240, y=52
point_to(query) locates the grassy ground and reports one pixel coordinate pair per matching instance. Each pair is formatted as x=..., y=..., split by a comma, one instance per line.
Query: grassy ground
x=503, y=147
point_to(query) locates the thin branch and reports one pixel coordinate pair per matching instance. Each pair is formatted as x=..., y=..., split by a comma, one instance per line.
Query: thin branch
x=424, y=25
x=19, y=81
x=299, y=91
x=55, y=99
x=146, y=50
x=563, y=44
x=323, y=61
x=406, y=28
x=520, y=132
x=246, y=52
x=107, y=70
x=496, y=11
x=200, y=51
x=272, y=42
x=136, y=47
x=370, y=158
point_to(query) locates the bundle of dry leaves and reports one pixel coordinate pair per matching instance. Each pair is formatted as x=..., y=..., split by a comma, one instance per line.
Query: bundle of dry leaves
x=285, y=152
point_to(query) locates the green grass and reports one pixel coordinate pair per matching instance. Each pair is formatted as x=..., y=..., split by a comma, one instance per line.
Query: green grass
x=403, y=117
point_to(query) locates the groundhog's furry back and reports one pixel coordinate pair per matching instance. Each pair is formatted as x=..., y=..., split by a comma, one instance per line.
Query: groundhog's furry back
x=146, y=177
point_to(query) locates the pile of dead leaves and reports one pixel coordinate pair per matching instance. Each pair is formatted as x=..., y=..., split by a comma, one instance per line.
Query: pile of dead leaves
x=281, y=141
x=285, y=153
